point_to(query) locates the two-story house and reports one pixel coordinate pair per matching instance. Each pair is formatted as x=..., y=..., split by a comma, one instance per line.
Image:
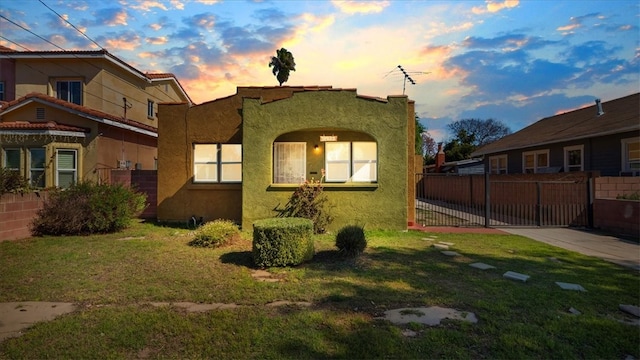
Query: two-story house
x=69, y=116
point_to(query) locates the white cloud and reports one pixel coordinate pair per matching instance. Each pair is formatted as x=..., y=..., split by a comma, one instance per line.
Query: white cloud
x=360, y=7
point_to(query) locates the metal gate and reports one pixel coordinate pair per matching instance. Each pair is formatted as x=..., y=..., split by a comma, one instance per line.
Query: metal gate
x=464, y=200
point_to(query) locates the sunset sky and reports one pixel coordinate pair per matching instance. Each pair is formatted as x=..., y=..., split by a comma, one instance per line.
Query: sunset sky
x=514, y=61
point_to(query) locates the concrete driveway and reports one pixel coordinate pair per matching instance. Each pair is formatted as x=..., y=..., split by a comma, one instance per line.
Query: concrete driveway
x=591, y=243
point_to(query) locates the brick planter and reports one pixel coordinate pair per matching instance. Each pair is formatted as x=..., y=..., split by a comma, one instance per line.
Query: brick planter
x=16, y=213
x=617, y=216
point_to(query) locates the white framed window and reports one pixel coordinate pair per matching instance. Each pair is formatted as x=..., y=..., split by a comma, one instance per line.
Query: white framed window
x=66, y=167
x=69, y=90
x=534, y=161
x=11, y=159
x=574, y=158
x=289, y=162
x=150, y=112
x=214, y=163
x=231, y=163
x=37, y=164
x=498, y=164
x=2, y=91
x=337, y=161
x=631, y=154
x=351, y=161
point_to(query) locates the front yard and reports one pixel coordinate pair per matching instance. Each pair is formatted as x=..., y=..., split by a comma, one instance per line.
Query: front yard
x=115, y=278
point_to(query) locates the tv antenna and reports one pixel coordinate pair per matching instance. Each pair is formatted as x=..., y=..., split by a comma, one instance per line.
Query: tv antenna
x=407, y=76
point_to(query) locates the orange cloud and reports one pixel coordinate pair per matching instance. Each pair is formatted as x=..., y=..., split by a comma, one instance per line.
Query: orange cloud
x=208, y=2
x=157, y=40
x=122, y=43
x=148, y=5
x=155, y=27
x=494, y=6
x=360, y=7
x=119, y=19
x=177, y=4
x=309, y=23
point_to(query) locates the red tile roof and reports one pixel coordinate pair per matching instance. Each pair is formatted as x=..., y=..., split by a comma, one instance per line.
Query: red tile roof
x=79, y=108
x=619, y=115
x=49, y=125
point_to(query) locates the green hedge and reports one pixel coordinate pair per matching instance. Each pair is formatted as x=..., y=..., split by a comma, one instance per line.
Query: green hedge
x=282, y=241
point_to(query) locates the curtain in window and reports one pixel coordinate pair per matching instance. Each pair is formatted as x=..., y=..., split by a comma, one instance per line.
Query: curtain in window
x=289, y=162
x=66, y=168
x=231, y=163
x=365, y=155
x=205, y=165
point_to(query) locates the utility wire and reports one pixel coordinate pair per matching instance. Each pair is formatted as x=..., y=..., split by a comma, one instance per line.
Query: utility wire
x=67, y=21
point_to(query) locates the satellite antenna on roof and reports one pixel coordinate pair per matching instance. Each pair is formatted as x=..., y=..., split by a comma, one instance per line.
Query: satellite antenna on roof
x=407, y=76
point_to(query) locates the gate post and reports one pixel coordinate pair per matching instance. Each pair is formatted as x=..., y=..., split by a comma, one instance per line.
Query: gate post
x=487, y=196
x=590, y=201
x=538, y=204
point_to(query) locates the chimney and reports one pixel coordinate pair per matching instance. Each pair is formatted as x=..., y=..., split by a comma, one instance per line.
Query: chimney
x=439, y=157
x=599, y=105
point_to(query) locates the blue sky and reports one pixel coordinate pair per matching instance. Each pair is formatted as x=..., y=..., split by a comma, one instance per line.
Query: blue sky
x=514, y=61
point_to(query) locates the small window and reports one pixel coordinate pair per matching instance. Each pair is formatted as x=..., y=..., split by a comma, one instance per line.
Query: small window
x=150, y=112
x=631, y=154
x=214, y=163
x=2, y=91
x=67, y=168
x=351, y=161
x=37, y=165
x=289, y=162
x=573, y=158
x=498, y=164
x=69, y=90
x=534, y=161
x=11, y=159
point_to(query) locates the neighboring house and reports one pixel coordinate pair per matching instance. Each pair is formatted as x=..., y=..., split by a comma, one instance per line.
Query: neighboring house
x=241, y=157
x=604, y=138
x=69, y=116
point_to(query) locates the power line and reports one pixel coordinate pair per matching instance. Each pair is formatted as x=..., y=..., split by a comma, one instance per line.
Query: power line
x=67, y=21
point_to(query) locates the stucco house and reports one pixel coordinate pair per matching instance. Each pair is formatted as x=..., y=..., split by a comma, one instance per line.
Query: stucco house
x=241, y=157
x=68, y=116
x=604, y=138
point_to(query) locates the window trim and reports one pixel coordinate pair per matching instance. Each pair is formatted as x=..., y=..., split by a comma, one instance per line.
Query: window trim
x=535, y=154
x=43, y=169
x=567, y=149
x=5, y=157
x=150, y=109
x=303, y=162
x=498, y=168
x=69, y=81
x=219, y=165
x=625, y=161
x=351, y=162
x=74, y=170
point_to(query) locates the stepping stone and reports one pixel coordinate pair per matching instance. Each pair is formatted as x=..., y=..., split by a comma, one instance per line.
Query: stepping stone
x=630, y=309
x=427, y=315
x=446, y=243
x=450, y=253
x=574, y=311
x=427, y=239
x=568, y=286
x=441, y=246
x=516, y=276
x=554, y=260
x=482, y=266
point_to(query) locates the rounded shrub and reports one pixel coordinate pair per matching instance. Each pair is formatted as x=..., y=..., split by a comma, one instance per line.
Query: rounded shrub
x=282, y=241
x=350, y=240
x=215, y=233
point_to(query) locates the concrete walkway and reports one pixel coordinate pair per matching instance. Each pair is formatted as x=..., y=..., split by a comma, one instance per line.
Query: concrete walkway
x=607, y=247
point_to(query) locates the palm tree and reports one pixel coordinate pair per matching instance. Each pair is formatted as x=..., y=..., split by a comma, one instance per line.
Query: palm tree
x=282, y=64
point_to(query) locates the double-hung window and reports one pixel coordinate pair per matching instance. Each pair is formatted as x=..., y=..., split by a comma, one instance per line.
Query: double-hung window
x=11, y=159
x=67, y=168
x=289, y=162
x=631, y=154
x=69, y=90
x=37, y=162
x=573, y=158
x=216, y=163
x=150, y=112
x=535, y=161
x=351, y=161
x=498, y=164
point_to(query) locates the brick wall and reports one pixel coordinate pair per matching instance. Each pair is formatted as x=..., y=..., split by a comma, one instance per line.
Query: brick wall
x=617, y=216
x=609, y=187
x=16, y=214
x=144, y=181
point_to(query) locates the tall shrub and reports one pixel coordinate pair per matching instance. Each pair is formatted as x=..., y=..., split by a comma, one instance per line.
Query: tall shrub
x=308, y=201
x=87, y=208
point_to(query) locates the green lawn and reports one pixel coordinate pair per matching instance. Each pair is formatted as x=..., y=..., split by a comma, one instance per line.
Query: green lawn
x=115, y=277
